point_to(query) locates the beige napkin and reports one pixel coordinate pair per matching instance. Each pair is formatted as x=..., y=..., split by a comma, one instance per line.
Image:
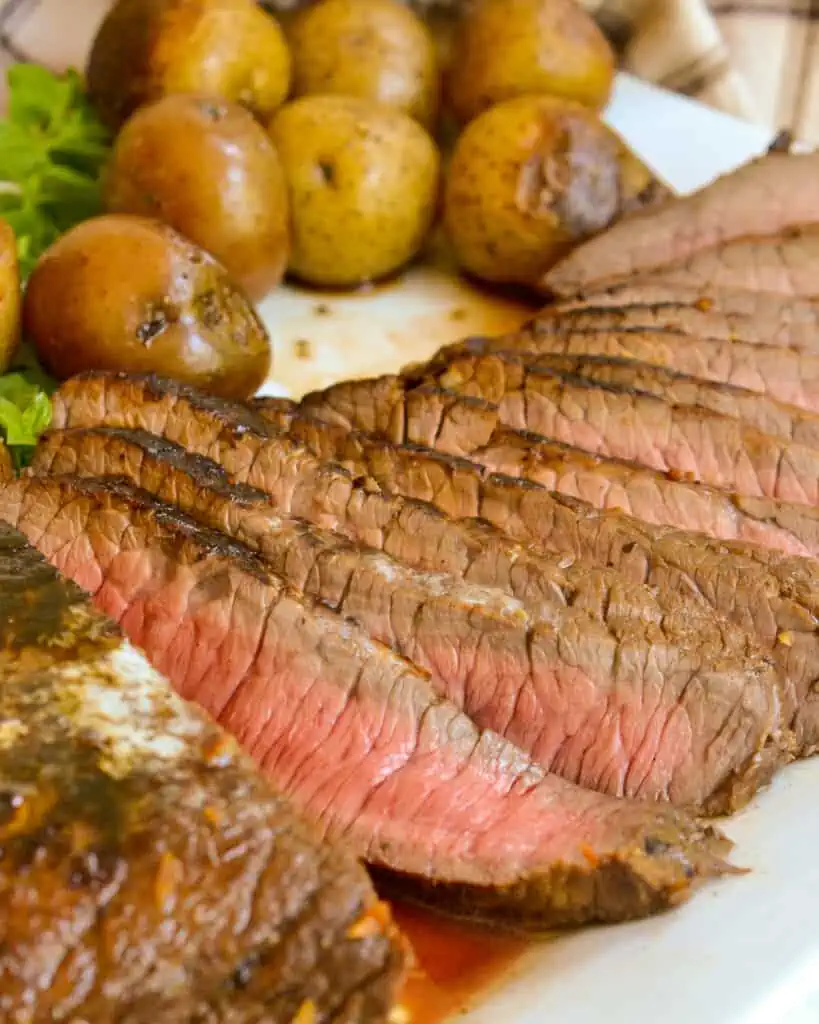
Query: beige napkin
x=757, y=59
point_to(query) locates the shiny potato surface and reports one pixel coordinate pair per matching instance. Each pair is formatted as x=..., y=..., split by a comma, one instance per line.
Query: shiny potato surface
x=209, y=169
x=226, y=49
x=373, y=49
x=507, y=48
x=129, y=294
x=363, y=183
x=9, y=295
x=529, y=179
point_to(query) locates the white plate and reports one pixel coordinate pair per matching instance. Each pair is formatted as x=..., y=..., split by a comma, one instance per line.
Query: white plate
x=744, y=950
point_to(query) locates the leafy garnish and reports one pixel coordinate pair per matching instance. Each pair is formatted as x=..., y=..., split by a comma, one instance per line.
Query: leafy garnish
x=52, y=150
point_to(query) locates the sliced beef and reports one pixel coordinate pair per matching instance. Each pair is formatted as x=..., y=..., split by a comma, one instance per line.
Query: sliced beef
x=303, y=485
x=483, y=651
x=487, y=486
x=785, y=265
x=702, y=445
x=354, y=734
x=756, y=318
x=786, y=375
x=149, y=874
x=488, y=378
x=776, y=598
x=767, y=196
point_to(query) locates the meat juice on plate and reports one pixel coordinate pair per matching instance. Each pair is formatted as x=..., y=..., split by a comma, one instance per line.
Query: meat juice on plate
x=455, y=963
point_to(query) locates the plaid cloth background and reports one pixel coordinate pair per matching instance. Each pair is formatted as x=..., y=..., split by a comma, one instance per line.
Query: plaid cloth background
x=758, y=59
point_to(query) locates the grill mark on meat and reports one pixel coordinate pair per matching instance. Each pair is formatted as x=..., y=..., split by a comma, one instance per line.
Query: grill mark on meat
x=626, y=424
x=544, y=877
x=119, y=778
x=490, y=639
x=785, y=265
x=769, y=195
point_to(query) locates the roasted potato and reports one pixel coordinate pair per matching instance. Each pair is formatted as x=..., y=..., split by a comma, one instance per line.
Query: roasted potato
x=374, y=49
x=508, y=48
x=363, y=182
x=529, y=179
x=208, y=169
x=130, y=294
x=9, y=296
x=226, y=49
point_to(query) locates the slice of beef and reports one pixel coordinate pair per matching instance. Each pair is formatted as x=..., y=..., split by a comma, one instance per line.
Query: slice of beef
x=488, y=379
x=703, y=445
x=323, y=493
x=785, y=264
x=756, y=318
x=352, y=733
x=483, y=651
x=786, y=375
x=775, y=598
x=149, y=874
x=486, y=486
x=767, y=196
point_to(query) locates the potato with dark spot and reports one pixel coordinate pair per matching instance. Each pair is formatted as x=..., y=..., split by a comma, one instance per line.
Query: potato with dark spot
x=208, y=169
x=529, y=179
x=508, y=48
x=130, y=294
x=363, y=185
x=9, y=295
x=226, y=49
x=374, y=49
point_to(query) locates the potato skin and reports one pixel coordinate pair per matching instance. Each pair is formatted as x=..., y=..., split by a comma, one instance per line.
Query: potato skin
x=129, y=294
x=363, y=184
x=374, y=49
x=508, y=48
x=209, y=169
x=528, y=179
x=10, y=296
x=226, y=49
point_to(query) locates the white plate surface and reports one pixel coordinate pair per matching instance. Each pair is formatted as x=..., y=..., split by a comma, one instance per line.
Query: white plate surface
x=744, y=950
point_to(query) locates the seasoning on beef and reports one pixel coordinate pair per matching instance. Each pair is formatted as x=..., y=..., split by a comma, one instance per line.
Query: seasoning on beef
x=354, y=734
x=702, y=445
x=770, y=195
x=133, y=832
x=485, y=653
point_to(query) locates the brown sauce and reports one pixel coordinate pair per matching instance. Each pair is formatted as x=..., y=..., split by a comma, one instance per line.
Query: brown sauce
x=455, y=963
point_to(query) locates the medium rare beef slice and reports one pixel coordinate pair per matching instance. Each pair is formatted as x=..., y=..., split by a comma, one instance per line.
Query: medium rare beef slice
x=699, y=444
x=756, y=318
x=770, y=195
x=148, y=872
x=488, y=377
x=483, y=651
x=354, y=734
x=778, y=599
x=786, y=375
